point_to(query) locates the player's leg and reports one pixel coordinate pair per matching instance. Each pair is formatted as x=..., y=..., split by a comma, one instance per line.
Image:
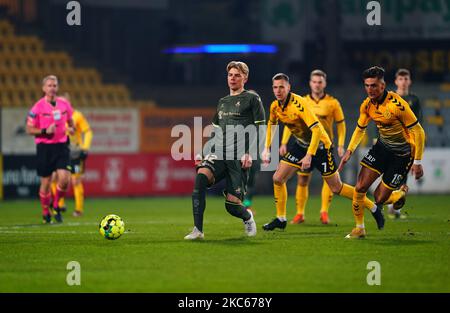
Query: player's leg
x=77, y=185
x=301, y=196
x=61, y=189
x=45, y=167
x=45, y=198
x=248, y=197
x=327, y=196
x=78, y=193
x=281, y=176
x=209, y=171
x=236, y=185
x=392, y=188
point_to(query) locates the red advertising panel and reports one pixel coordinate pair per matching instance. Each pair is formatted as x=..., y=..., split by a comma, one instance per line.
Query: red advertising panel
x=137, y=175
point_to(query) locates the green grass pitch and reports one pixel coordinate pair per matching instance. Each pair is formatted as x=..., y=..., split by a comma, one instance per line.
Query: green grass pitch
x=153, y=257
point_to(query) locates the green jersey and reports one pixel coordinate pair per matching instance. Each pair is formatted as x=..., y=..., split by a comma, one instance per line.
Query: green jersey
x=414, y=103
x=240, y=110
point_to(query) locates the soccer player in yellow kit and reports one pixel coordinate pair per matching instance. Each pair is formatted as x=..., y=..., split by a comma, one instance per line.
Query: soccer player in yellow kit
x=398, y=149
x=312, y=147
x=80, y=143
x=329, y=111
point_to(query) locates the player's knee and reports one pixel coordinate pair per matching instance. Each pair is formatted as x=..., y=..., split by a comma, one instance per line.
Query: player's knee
x=335, y=188
x=278, y=180
x=201, y=183
x=360, y=188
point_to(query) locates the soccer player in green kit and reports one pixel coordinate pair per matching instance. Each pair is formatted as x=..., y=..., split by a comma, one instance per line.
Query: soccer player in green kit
x=403, y=82
x=240, y=108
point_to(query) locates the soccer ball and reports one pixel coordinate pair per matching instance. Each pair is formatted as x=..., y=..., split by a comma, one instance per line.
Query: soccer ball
x=111, y=227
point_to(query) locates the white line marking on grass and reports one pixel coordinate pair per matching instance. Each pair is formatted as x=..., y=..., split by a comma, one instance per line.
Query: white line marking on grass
x=53, y=232
x=74, y=224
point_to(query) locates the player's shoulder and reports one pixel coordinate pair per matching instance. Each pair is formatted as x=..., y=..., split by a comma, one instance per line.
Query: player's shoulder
x=38, y=104
x=394, y=99
x=64, y=101
x=251, y=95
x=331, y=99
x=296, y=97
x=365, y=104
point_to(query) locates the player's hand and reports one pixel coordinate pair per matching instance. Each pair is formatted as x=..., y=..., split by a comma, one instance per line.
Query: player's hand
x=246, y=161
x=71, y=130
x=305, y=162
x=83, y=154
x=340, y=151
x=344, y=160
x=265, y=156
x=51, y=129
x=282, y=150
x=197, y=159
x=417, y=170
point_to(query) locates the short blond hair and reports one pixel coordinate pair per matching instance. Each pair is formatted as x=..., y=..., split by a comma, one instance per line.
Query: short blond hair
x=240, y=66
x=318, y=73
x=49, y=77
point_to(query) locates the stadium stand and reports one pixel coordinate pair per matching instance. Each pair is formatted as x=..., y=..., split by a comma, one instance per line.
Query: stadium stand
x=24, y=62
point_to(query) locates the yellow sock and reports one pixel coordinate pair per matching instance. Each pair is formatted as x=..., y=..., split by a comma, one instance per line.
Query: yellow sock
x=280, y=194
x=61, y=202
x=327, y=195
x=78, y=193
x=348, y=191
x=301, y=197
x=358, y=208
x=53, y=188
x=395, y=196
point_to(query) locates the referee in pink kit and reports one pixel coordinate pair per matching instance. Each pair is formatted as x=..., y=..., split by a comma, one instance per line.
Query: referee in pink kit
x=49, y=120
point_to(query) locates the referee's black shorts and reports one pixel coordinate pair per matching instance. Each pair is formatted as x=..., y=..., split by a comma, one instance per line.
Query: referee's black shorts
x=52, y=157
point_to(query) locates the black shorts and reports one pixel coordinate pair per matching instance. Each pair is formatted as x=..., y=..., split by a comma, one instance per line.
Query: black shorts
x=77, y=165
x=52, y=157
x=393, y=167
x=323, y=160
x=235, y=176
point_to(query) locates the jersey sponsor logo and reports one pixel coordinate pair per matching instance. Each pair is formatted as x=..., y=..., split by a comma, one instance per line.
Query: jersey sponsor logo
x=57, y=115
x=220, y=114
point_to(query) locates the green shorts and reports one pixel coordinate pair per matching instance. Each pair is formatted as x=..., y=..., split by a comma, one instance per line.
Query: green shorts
x=235, y=176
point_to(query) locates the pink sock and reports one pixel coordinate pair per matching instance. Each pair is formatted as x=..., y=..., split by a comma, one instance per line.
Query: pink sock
x=59, y=194
x=45, y=202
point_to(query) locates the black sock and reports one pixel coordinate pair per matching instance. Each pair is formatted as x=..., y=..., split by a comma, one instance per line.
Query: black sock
x=237, y=210
x=199, y=200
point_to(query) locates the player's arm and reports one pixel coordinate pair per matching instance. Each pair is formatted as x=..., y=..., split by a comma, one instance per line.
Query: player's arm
x=273, y=120
x=411, y=122
x=87, y=136
x=33, y=125
x=259, y=118
x=358, y=135
x=311, y=120
x=340, y=127
x=284, y=140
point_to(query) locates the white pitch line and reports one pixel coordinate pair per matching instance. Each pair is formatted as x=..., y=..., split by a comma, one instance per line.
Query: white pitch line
x=53, y=232
x=74, y=224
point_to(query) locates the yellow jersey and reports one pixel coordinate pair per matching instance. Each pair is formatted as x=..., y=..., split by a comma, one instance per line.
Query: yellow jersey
x=329, y=111
x=297, y=114
x=393, y=117
x=81, y=125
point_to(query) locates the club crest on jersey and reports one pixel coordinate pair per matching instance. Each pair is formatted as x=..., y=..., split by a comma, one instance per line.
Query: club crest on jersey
x=238, y=104
x=387, y=114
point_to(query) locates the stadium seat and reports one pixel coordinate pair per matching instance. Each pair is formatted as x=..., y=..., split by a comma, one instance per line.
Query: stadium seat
x=6, y=29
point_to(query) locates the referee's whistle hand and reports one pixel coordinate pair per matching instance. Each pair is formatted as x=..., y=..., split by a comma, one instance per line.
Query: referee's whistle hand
x=51, y=129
